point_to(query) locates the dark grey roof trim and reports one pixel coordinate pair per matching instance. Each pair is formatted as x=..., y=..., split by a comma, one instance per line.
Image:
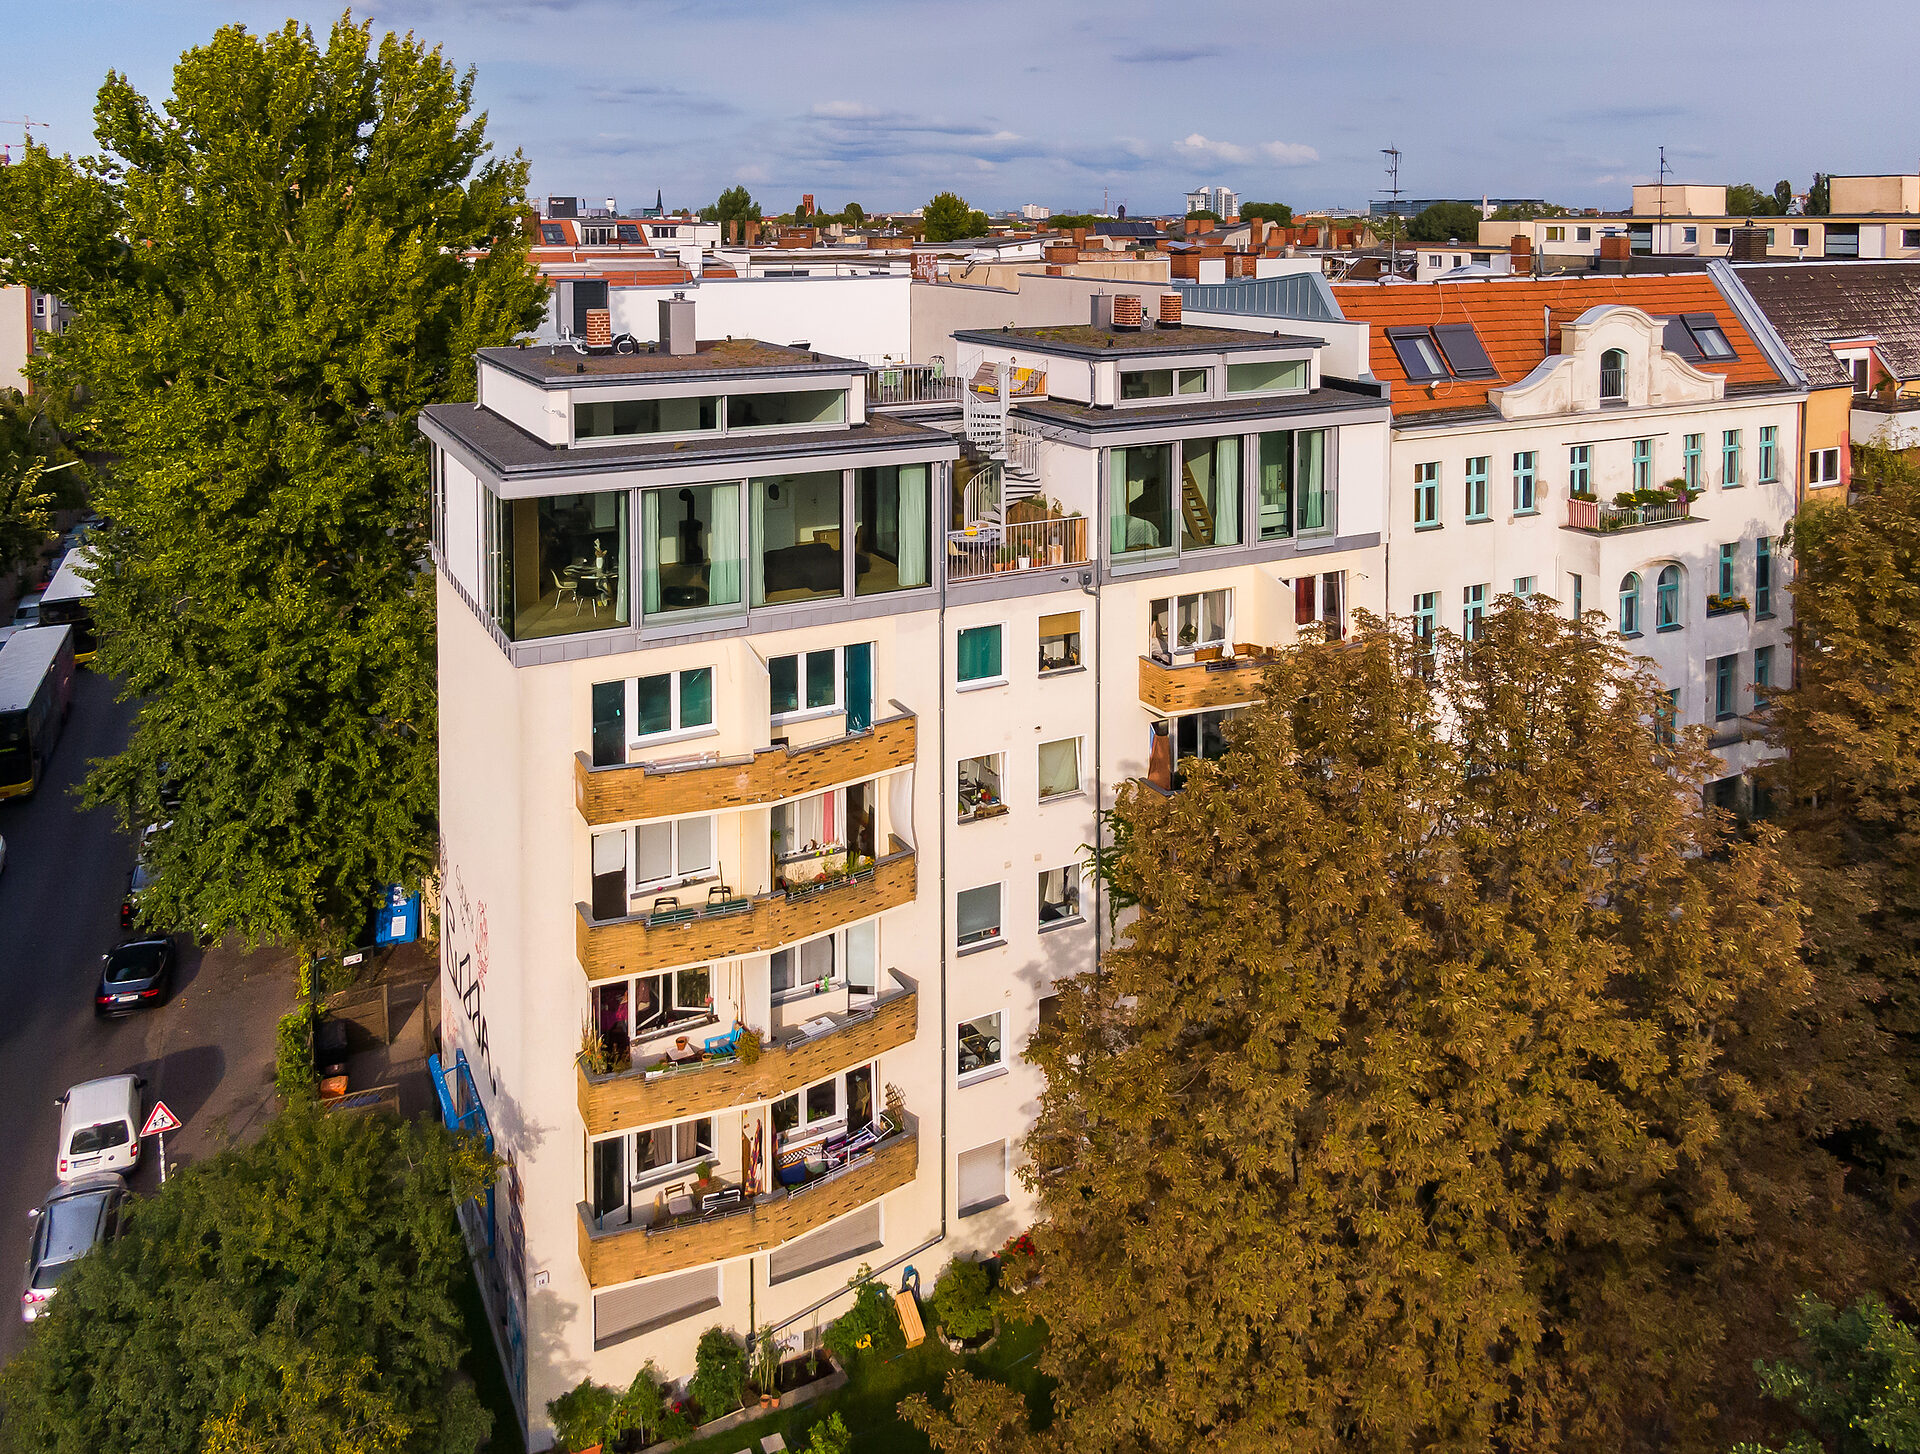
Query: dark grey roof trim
x=1271, y=411
x=526, y=363
x=1165, y=341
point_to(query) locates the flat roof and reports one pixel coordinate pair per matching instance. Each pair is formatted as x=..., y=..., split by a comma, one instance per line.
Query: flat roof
x=23, y=662
x=509, y=450
x=554, y=365
x=1245, y=406
x=1086, y=340
x=69, y=583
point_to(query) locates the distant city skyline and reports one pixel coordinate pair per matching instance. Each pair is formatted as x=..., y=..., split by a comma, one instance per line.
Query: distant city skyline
x=886, y=104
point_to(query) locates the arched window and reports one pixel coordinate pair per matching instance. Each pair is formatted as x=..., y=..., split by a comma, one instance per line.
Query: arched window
x=1630, y=604
x=1613, y=376
x=1666, y=605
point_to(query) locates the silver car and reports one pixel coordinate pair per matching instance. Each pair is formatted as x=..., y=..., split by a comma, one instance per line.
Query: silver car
x=76, y=1217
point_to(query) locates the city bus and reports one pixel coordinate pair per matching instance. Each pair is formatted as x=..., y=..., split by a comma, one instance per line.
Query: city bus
x=36, y=688
x=69, y=602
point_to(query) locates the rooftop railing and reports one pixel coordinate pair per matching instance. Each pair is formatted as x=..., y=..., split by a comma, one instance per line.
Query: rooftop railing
x=986, y=550
x=904, y=383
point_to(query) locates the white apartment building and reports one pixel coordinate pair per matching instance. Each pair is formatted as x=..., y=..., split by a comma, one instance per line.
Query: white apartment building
x=773, y=729
x=1525, y=410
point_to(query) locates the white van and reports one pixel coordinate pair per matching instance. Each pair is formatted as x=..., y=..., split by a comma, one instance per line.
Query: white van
x=100, y=1127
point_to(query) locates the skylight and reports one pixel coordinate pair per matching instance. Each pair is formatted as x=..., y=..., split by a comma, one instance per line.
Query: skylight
x=1447, y=350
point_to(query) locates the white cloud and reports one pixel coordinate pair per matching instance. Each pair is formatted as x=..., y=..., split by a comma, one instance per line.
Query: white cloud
x=752, y=172
x=843, y=110
x=1280, y=153
x=1288, y=153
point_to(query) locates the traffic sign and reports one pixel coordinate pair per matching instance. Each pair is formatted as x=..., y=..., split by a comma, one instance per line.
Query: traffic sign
x=160, y=1120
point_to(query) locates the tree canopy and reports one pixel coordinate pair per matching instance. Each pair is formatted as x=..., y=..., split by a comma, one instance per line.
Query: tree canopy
x=735, y=204
x=1746, y=200
x=1856, y=1384
x=948, y=217
x=1278, y=213
x=1820, y=195
x=1442, y=1092
x=1445, y=222
x=294, y=1295
x=272, y=273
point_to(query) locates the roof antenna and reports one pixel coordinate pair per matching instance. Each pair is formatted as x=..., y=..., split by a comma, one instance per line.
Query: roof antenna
x=1392, y=154
x=1665, y=172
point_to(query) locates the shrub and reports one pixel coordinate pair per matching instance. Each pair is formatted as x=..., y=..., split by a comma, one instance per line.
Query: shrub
x=580, y=1415
x=766, y=1360
x=830, y=1436
x=719, y=1373
x=963, y=1299
x=748, y=1047
x=641, y=1411
x=293, y=1073
x=870, y=1326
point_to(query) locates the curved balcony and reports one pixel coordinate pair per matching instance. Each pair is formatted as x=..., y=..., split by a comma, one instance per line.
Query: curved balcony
x=1193, y=686
x=624, y=792
x=649, y=1095
x=622, y=1254
x=646, y=943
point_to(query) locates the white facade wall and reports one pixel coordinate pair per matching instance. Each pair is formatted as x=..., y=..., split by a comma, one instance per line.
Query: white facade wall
x=852, y=317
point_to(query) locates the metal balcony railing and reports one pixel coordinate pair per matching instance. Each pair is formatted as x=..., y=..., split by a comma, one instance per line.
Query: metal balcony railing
x=989, y=550
x=903, y=383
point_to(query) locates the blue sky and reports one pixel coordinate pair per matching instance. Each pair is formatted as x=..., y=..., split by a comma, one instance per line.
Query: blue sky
x=885, y=102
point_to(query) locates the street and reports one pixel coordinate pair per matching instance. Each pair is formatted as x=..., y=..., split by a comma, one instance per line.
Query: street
x=208, y=1052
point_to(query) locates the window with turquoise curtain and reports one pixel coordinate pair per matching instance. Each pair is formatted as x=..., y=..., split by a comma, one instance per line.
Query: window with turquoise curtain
x=891, y=529
x=978, y=657
x=1630, y=604
x=1210, y=492
x=1667, y=599
x=1276, y=485
x=1310, y=480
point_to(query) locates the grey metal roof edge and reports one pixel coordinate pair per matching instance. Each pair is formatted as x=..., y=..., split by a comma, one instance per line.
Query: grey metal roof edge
x=1759, y=327
x=439, y=422
x=1320, y=401
x=1207, y=297
x=505, y=359
x=995, y=338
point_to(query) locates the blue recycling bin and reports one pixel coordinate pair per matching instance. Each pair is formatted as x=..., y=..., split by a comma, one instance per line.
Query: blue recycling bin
x=397, y=920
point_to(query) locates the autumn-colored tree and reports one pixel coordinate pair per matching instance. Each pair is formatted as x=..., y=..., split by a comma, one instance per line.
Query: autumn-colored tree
x=1848, y=794
x=1428, y=1098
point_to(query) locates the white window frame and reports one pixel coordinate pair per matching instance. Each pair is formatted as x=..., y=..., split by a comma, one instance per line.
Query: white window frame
x=804, y=1131
x=1079, y=769
x=999, y=934
x=638, y=1034
x=998, y=766
x=991, y=1068
x=660, y=1175
x=834, y=849
x=678, y=732
x=1071, y=879
x=802, y=988
x=804, y=713
x=979, y=684
x=1046, y=671
x=681, y=874
x=1823, y=466
x=1180, y=374
x=1173, y=620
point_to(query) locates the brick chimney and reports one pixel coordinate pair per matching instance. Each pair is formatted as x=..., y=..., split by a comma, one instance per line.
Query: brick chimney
x=752, y=232
x=1748, y=245
x=1615, y=249
x=599, y=328
x=1169, y=310
x=1256, y=232
x=1520, y=253
x=1126, y=311
x=1079, y=238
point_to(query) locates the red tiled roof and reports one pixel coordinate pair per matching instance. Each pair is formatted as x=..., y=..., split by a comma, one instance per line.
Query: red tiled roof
x=1508, y=315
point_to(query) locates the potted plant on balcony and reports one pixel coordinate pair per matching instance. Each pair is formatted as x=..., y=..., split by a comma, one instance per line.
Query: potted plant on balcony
x=705, y=1183
x=594, y=1059
x=749, y=1046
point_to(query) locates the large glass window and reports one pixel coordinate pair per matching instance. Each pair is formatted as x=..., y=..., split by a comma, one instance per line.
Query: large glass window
x=977, y=1043
x=1667, y=599
x=1188, y=623
x=1059, y=768
x=796, y=538
x=979, y=793
x=560, y=565
x=1161, y=383
x=1059, y=895
x=787, y=411
x=1580, y=469
x=1276, y=485
x=673, y=702
x=1261, y=378
x=977, y=915
x=646, y=416
x=1312, y=498
x=1210, y=492
x=892, y=529
x=690, y=548
x=1141, y=498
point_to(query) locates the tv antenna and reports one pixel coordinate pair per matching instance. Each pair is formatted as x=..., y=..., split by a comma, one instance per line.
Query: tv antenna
x=1665, y=172
x=1392, y=154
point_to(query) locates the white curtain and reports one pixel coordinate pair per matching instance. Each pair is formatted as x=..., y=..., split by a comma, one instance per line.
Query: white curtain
x=650, y=551
x=723, y=547
x=914, y=524
x=1059, y=767
x=899, y=809
x=862, y=970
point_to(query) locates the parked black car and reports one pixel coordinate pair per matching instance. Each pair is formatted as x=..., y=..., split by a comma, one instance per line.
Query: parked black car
x=137, y=975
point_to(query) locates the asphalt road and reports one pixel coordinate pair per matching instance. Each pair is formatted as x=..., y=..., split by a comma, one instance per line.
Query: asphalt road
x=207, y=1052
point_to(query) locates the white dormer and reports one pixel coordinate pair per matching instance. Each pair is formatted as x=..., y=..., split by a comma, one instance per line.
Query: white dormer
x=1615, y=357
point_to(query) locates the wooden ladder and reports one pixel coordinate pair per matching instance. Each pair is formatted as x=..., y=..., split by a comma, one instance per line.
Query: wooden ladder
x=1193, y=506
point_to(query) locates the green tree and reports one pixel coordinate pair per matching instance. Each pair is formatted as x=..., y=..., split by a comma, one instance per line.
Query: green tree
x=1848, y=794
x=830, y=1436
x=1445, y=221
x=947, y=217
x=981, y=1417
x=853, y=214
x=1746, y=200
x=735, y=204
x=1820, y=195
x=1782, y=197
x=719, y=1380
x=963, y=1299
x=1278, y=213
x=272, y=274
x=296, y=1294
x=1431, y=1097
x=1859, y=1385
x=38, y=475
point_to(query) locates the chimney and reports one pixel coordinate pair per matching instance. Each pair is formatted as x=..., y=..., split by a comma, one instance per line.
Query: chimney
x=599, y=328
x=1126, y=311
x=1103, y=310
x=1520, y=253
x=1615, y=248
x=1256, y=232
x=676, y=325
x=1079, y=237
x=1749, y=245
x=752, y=232
x=1060, y=253
x=1169, y=310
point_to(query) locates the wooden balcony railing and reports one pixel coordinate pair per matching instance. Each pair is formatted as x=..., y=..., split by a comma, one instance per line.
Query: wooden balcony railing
x=643, y=944
x=612, y=1255
x=651, y=1095
x=1192, y=686
x=625, y=791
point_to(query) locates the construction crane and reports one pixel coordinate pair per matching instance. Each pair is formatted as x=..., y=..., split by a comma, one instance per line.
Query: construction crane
x=26, y=125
